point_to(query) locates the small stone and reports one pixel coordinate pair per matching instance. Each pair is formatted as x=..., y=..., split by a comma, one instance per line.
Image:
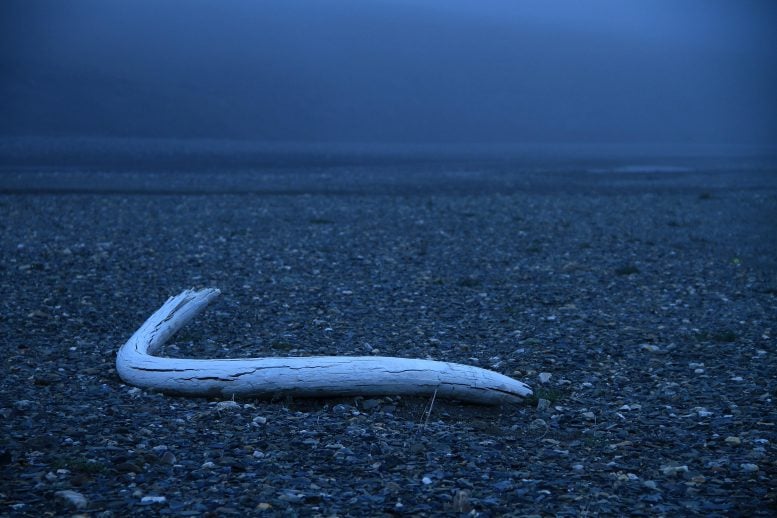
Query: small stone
x=749, y=468
x=538, y=425
x=426, y=481
x=258, y=454
x=650, y=348
x=369, y=404
x=733, y=441
x=544, y=377
x=23, y=404
x=263, y=506
x=758, y=452
x=589, y=415
x=45, y=378
x=577, y=467
x=168, y=458
x=259, y=420
x=227, y=405
x=73, y=498
x=674, y=470
x=650, y=484
x=208, y=465
x=543, y=404
x=127, y=467
x=147, y=500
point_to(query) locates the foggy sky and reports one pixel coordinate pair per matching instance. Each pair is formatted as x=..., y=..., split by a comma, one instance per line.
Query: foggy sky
x=411, y=71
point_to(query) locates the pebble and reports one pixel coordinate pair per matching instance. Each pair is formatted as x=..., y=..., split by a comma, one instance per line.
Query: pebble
x=543, y=404
x=153, y=500
x=734, y=441
x=538, y=425
x=23, y=404
x=650, y=348
x=589, y=415
x=749, y=467
x=73, y=498
x=227, y=405
x=369, y=404
x=426, y=481
x=259, y=420
x=544, y=377
x=674, y=470
x=168, y=458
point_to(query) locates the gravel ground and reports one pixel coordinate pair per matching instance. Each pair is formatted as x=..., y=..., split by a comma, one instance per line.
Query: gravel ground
x=649, y=298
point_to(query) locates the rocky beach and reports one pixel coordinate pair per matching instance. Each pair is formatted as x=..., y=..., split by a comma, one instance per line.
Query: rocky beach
x=640, y=304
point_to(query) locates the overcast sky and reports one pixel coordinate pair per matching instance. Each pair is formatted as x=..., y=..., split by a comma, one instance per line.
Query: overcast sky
x=413, y=71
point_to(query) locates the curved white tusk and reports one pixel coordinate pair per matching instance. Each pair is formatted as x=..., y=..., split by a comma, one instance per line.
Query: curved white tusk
x=314, y=376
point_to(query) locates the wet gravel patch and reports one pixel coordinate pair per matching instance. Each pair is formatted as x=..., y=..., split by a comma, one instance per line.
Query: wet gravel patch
x=645, y=320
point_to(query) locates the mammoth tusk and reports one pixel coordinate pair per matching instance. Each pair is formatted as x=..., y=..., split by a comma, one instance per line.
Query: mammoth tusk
x=314, y=376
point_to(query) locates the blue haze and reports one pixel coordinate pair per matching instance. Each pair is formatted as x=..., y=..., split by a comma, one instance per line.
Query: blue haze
x=655, y=74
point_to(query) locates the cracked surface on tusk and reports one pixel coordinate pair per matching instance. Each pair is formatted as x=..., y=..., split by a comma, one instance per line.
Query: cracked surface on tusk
x=312, y=376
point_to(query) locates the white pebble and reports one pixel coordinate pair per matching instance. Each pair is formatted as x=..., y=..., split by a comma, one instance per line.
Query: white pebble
x=74, y=498
x=153, y=500
x=259, y=420
x=544, y=377
x=674, y=470
x=227, y=405
x=749, y=468
x=426, y=481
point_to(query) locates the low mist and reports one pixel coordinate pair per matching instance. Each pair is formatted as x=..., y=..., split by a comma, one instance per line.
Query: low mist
x=657, y=73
